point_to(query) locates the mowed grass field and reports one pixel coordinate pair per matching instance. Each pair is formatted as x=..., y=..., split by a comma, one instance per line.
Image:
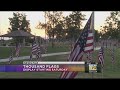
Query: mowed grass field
x=26, y=51
x=109, y=71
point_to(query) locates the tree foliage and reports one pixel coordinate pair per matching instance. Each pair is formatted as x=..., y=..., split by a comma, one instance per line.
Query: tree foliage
x=73, y=24
x=112, y=26
x=60, y=27
x=64, y=27
x=19, y=22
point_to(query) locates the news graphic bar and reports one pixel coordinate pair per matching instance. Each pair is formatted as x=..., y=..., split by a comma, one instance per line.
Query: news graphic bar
x=93, y=67
x=11, y=68
x=38, y=66
x=39, y=62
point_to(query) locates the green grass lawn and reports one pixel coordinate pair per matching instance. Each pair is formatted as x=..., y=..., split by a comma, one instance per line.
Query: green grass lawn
x=108, y=72
x=25, y=51
x=64, y=48
x=5, y=51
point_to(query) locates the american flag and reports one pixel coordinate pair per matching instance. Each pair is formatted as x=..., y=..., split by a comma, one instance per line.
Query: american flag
x=101, y=56
x=83, y=44
x=34, y=50
x=11, y=56
x=17, y=50
x=38, y=53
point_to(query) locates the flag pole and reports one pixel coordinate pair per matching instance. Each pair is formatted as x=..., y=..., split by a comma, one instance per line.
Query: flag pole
x=92, y=28
x=45, y=34
x=102, y=66
x=112, y=66
x=112, y=57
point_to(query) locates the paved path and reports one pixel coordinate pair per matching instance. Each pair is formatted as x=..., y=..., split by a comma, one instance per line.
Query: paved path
x=43, y=55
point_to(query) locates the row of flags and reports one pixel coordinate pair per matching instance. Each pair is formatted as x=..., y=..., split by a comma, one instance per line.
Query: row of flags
x=110, y=43
x=35, y=51
x=85, y=45
x=101, y=55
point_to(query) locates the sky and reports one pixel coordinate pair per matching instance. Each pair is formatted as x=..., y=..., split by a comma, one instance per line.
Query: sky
x=36, y=16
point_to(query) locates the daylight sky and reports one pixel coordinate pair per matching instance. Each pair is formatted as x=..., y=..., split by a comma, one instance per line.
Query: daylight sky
x=36, y=16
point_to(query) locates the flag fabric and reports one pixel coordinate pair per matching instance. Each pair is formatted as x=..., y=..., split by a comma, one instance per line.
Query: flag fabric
x=17, y=49
x=38, y=53
x=89, y=47
x=34, y=48
x=101, y=56
x=11, y=56
x=35, y=51
x=83, y=44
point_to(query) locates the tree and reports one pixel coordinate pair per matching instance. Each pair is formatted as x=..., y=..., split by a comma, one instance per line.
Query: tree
x=60, y=31
x=15, y=22
x=60, y=27
x=73, y=24
x=97, y=36
x=19, y=22
x=25, y=24
x=112, y=26
x=53, y=25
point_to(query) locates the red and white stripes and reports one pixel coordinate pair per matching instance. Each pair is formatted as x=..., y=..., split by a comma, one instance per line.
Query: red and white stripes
x=89, y=44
